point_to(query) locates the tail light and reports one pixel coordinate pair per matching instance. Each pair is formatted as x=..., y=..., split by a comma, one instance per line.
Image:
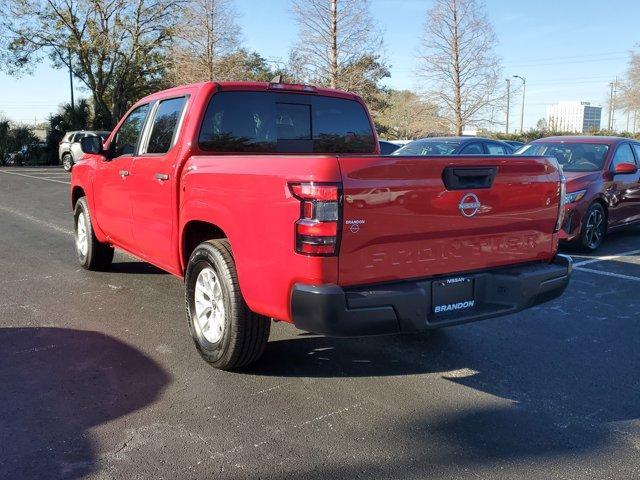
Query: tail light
x=318, y=228
x=563, y=201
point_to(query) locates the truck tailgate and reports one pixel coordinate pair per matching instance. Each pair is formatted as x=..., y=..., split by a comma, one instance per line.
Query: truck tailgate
x=400, y=221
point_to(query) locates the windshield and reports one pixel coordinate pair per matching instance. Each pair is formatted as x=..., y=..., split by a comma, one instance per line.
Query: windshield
x=573, y=157
x=427, y=147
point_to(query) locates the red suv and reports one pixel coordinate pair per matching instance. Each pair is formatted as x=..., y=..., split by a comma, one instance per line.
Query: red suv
x=603, y=184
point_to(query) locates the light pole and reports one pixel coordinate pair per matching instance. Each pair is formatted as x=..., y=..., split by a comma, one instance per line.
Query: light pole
x=508, y=80
x=612, y=101
x=73, y=107
x=524, y=90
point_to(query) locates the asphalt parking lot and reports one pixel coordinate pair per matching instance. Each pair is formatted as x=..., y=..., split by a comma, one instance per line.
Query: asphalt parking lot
x=99, y=377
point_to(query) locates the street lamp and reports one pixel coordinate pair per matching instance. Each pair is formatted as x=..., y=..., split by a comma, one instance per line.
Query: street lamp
x=73, y=107
x=508, y=80
x=524, y=88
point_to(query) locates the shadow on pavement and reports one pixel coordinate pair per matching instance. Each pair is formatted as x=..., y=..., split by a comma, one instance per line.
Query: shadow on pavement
x=566, y=378
x=55, y=384
x=135, y=267
x=616, y=241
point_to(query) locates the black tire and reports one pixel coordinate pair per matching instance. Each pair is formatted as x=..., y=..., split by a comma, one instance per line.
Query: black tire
x=67, y=162
x=594, y=228
x=98, y=256
x=244, y=333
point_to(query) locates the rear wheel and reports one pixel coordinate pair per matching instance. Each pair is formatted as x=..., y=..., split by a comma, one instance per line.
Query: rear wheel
x=594, y=228
x=92, y=254
x=67, y=162
x=225, y=331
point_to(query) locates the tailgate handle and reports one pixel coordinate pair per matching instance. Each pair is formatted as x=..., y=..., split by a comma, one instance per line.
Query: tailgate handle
x=465, y=178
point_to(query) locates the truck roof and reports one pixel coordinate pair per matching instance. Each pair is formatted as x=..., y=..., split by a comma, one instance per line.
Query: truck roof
x=254, y=86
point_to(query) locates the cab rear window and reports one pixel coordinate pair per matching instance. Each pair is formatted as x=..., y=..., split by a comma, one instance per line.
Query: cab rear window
x=274, y=122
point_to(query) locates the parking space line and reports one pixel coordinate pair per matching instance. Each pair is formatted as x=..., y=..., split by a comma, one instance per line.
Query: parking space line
x=34, y=170
x=36, y=220
x=607, y=274
x=38, y=172
x=606, y=258
x=36, y=177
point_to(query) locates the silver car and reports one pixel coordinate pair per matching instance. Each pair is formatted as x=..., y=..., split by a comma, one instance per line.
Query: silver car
x=69, y=151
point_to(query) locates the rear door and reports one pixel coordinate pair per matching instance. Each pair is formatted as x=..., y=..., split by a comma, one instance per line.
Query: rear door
x=75, y=148
x=110, y=186
x=153, y=184
x=426, y=228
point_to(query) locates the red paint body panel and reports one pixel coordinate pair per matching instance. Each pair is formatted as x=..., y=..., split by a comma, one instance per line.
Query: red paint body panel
x=249, y=199
x=418, y=231
x=412, y=226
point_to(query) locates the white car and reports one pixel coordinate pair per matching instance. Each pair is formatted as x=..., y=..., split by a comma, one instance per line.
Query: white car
x=377, y=196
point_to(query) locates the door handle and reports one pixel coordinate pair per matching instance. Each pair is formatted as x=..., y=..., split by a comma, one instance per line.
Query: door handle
x=124, y=173
x=162, y=176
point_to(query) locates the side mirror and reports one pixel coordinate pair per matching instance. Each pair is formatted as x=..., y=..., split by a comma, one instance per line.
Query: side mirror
x=625, y=168
x=92, y=145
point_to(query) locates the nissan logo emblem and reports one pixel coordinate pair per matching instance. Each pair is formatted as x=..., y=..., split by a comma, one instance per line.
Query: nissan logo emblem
x=469, y=205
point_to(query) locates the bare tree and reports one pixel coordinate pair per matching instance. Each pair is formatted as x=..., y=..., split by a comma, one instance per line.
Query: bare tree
x=630, y=88
x=115, y=47
x=458, y=62
x=338, y=45
x=207, y=33
x=408, y=116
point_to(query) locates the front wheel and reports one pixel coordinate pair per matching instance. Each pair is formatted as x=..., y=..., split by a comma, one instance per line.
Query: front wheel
x=594, y=228
x=225, y=331
x=92, y=254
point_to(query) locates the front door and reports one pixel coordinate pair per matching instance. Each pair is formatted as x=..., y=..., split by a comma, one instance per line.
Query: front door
x=625, y=188
x=111, y=184
x=153, y=186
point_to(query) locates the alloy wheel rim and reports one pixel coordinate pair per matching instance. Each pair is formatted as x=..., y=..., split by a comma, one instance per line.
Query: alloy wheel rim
x=595, y=230
x=209, y=306
x=82, y=240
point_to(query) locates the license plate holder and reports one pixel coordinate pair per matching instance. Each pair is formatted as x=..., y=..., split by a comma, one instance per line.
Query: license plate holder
x=452, y=295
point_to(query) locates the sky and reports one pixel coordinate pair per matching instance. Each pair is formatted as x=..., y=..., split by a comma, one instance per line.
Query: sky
x=566, y=49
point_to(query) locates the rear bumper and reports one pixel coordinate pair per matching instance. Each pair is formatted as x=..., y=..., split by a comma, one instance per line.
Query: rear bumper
x=406, y=306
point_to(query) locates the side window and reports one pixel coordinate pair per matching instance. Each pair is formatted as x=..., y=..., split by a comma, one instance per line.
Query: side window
x=623, y=155
x=495, y=149
x=636, y=149
x=77, y=137
x=127, y=137
x=165, y=125
x=472, y=149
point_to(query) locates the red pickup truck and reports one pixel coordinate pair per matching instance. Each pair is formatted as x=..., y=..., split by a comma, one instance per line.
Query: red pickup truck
x=256, y=194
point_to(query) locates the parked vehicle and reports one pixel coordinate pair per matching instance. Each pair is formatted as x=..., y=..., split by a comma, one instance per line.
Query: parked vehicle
x=387, y=148
x=603, y=184
x=34, y=154
x=455, y=146
x=13, y=158
x=239, y=189
x=377, y=196
x=69, y=150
